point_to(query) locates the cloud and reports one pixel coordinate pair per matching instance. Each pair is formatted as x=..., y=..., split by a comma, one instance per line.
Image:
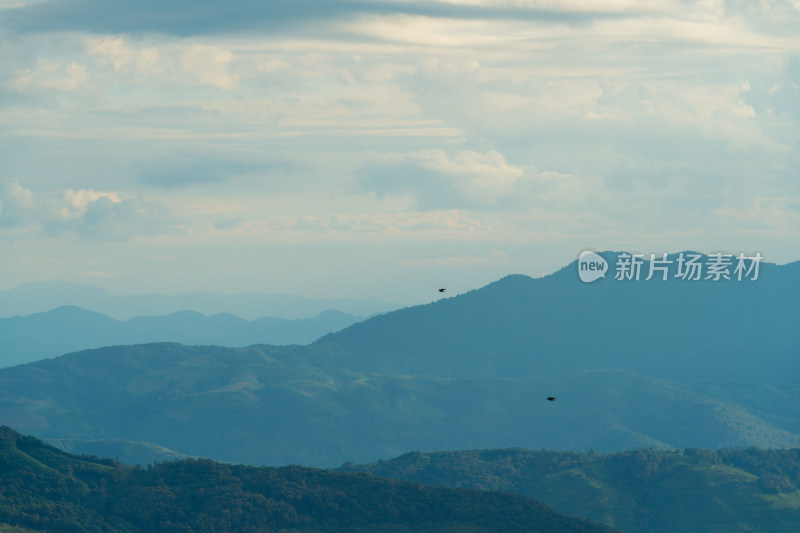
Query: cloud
x=184, y=169
x=118, y=52
x=100, y=274
x=52, y=75
x=178, y=17
x=465, y=179
x=493, y=259
x=84, y=213
x=225, y=223
x=450, y=224
x=777, y=93
x=14, y=4
x=766, y=216
x=208, y=65
x=408, y=121
x=107, y=216
x=78, y=202
x=438, y=181
x=16, y=203
x=206, y=17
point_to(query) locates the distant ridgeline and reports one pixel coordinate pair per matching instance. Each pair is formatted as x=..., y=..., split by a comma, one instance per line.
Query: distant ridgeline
x=634, y=363
x=45, y=489
x=682, y=329
x=24, y=339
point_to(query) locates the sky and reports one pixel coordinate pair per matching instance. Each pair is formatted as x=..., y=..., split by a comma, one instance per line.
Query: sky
x=386, y=149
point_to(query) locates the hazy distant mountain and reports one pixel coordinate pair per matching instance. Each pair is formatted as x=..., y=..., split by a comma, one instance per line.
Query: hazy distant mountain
x=39, y=297
x=642, y=491
x=48, y=490
x=69, y=329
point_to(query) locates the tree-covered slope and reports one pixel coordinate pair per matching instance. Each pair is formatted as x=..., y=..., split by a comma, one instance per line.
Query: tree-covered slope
x=259, y=406
x=45, y=489
x=642, y=491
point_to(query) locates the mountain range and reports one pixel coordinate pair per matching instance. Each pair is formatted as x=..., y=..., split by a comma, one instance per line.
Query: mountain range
x=668, y=365
x=24, y=339
x=39, y=297
x=518, y=326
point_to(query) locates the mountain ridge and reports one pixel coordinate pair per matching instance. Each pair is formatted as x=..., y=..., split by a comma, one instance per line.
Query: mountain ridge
x=639, y=491
x=50, y=490
x=264, y=405
x=71, y=328
x=558, y=316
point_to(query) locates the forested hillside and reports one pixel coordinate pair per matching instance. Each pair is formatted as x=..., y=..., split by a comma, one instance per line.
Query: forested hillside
x=641, y=491
x=45, y=489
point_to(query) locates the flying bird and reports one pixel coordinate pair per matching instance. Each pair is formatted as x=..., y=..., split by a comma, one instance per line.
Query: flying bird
x=442, y=290
x=551, y=398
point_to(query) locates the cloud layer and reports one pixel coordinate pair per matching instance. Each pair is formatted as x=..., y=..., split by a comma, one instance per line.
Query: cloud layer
x=489, y=125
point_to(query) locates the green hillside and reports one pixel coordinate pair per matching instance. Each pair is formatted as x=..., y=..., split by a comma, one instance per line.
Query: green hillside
x=125, y=451
x=261, y=406
x=45, y=489
x=643, y=491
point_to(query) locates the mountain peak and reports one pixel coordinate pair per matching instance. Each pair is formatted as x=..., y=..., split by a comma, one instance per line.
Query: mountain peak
x=550, y=326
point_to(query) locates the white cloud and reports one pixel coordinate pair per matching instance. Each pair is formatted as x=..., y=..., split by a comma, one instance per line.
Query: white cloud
x=116, y=51
x=52, y=75
x=427, y=31
x=94, y=215
x=542, y=121
x=16, y=203
x=209, y=65
x=437, y=179
x=84, y=213
x=14, y=4
x=766, y=216
x=78, y=202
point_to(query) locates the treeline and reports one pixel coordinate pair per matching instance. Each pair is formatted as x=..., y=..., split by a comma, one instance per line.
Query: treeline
x=44, y=489
x=646, y=490
x=777, y=470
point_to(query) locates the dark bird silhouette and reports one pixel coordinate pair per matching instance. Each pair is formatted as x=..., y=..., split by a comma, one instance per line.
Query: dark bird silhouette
x=551, y=398
x=442, y=290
